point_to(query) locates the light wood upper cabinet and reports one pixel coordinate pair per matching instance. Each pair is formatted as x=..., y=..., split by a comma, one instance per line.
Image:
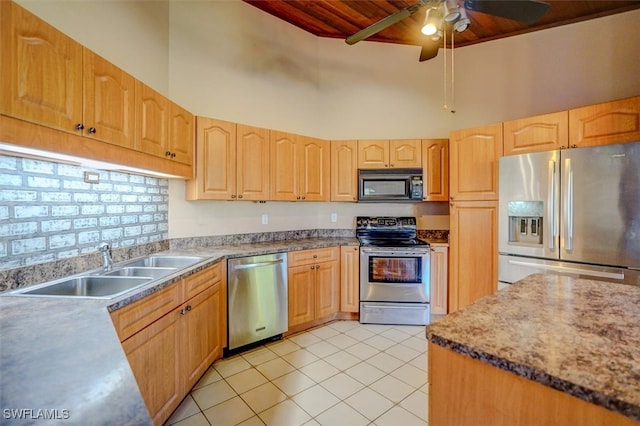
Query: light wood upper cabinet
x=533, y=134
x=29, y=46
x=344, y=170
x=215, y=161
x=435, y=166
x=59, y=96
x=252, y=163
x=315, y=170
x=605, y=123
x=109, y=102
x=181, y=134
x=439, y=279
x=300, y=168
x=397, y=153
x=405, y=153
x=349, y=279
x=473, y=240
x=474, y=155
x=153, y=113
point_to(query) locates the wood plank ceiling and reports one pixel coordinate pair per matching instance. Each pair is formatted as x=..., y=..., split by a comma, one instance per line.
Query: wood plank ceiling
x=342, y=18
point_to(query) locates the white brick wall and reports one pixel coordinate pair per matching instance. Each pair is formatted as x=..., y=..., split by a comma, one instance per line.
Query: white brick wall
x=48, y=212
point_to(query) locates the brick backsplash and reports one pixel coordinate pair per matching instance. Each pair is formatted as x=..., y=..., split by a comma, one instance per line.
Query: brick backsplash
x=48, y=212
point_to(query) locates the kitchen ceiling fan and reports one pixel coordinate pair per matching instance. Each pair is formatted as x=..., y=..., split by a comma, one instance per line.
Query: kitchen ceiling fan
x=448, y=16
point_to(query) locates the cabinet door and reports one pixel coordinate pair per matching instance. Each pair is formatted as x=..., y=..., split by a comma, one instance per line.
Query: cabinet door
x=405, y=153
x=252, y=163
x=108, y=101
x=439, y=263
x=314, y=170
x=349, y=279
x=327, y=291
x=154, y=357
x=152, y=121
x=606, y=123
x=373, y=154
x=435, y=166
x=284, y=166
x=215, y=161
x=301, y=290
x=41, y=72
x=202, y=341
x=344, y=170
x=474, y=252
x=534, y=134
x=474, y=155
x=181, y=134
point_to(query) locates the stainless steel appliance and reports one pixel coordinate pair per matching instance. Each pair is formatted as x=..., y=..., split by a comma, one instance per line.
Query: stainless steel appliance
x=574, y=211
x=394, y=271
x=390, y=185
x=256, y=299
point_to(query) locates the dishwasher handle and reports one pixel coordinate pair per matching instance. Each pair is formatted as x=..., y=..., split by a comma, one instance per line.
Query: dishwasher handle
x=257, y=265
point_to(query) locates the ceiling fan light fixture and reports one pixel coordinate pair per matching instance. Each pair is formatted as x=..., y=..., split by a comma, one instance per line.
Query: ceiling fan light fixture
x=431, y=22
x=452, y=11
x=463, y=23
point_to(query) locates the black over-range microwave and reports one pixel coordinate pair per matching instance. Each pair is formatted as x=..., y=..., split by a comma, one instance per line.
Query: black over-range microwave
x=390, y=185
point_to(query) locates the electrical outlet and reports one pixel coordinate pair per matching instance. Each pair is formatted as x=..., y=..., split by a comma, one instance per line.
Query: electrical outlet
x=334, y=217
x=265, y=219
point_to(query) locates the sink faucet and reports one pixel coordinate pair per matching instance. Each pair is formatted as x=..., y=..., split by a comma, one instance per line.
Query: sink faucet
x=107, y=262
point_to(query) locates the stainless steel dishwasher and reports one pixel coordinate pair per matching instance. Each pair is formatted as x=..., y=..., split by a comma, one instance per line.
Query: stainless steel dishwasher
x=256, y=299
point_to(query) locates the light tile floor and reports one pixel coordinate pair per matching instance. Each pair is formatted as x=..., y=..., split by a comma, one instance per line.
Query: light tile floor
x=342, y=373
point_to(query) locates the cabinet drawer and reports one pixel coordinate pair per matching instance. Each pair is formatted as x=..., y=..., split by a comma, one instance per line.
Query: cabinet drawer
x=136, y=316
x=306, y=257
x=200, y=281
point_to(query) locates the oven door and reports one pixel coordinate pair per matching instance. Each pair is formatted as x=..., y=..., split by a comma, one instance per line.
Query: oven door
x=394, y=274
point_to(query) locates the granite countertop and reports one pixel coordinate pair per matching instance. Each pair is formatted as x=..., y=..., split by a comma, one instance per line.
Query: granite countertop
x=578, y=336
x=61, y=359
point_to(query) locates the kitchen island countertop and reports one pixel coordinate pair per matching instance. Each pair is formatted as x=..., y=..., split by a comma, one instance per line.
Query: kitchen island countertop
x=574, y=335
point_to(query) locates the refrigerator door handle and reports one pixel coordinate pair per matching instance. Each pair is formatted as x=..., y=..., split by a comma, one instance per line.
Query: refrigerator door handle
x=551, y=206
x=599, y=274
x=568, y=211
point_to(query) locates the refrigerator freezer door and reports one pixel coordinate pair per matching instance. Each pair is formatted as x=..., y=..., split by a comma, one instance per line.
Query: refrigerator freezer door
x=601, y=205
x=529, y=204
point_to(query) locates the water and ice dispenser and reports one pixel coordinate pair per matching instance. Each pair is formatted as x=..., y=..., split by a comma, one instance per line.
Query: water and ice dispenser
x=525, y=222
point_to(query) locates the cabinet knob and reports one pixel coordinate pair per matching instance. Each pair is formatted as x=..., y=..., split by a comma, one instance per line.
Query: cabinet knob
x=173, y=155
x=233, y=196
x=574, y=146
x=79, y=126
x=92, y=130
x=167, y=153
x=315, y=256
x=313, y=267
x=239, y=196
x=391, y=165
x=184, y=310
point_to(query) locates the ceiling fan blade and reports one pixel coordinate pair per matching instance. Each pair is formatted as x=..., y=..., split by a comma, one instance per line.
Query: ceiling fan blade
x=527, y=11
x=429, y=49
x=383, y=23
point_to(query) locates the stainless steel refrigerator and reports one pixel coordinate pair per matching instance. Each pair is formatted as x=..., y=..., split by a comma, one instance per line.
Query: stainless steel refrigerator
x=574, y=211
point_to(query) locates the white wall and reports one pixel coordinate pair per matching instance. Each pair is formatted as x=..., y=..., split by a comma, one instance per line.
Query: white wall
x=229, y=60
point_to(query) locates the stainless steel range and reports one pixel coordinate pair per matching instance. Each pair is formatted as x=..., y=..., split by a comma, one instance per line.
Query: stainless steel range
x=394, y=271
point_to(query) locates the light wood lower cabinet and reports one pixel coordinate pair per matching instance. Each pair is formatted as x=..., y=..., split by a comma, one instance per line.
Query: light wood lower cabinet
x=314, y=286
x=172, y=337
x=439, y=279
x=350, y=279
x=473, y=242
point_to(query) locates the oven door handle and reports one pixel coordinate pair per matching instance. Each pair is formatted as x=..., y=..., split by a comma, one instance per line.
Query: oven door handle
x=403, y=251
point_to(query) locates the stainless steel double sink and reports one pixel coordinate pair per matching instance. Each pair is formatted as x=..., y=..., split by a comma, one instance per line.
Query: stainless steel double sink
x=109, y=284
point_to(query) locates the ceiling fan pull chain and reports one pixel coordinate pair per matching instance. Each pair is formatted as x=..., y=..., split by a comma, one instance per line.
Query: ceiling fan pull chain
x=453, y=74
x=444, y=106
